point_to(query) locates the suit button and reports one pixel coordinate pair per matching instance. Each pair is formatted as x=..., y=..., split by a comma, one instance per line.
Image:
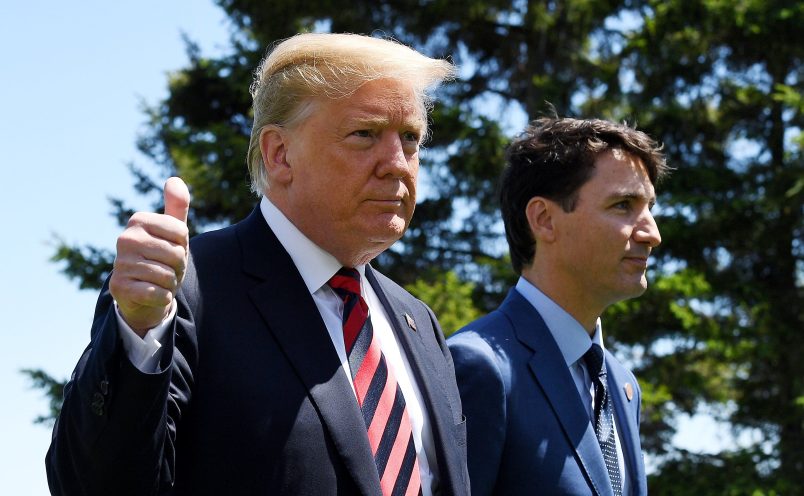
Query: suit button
x=104, y=387
x=97, y=404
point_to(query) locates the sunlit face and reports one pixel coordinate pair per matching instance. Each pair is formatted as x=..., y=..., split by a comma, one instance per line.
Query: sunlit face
x=603, y=245
x=353, y=167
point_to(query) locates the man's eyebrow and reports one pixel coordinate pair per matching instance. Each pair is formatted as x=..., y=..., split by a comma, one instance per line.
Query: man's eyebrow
x=370, y=119
x=631, y=195
x=360, y=118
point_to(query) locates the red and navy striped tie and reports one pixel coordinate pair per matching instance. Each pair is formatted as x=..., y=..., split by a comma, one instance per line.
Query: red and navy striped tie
x=378, y=393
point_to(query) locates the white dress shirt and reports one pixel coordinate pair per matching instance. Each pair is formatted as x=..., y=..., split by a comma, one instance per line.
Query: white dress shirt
x=316, y=267
x=573, y=341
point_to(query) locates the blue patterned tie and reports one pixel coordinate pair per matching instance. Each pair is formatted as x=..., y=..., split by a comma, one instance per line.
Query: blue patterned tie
x=604, y=415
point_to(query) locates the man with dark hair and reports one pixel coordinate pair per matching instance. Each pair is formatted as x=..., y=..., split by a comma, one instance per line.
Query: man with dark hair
x=549, y=411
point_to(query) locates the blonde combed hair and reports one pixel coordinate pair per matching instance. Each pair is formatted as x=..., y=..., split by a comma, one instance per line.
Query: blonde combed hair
x=328, y=65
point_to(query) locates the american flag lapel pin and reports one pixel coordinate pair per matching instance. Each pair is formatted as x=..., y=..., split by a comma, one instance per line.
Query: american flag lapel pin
x=410, y=321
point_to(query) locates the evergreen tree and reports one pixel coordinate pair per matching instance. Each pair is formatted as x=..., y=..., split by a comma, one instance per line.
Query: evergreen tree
x=719, y=82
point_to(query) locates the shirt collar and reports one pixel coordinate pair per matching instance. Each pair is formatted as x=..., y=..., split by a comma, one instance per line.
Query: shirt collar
x=570, y=336
x=315, y=265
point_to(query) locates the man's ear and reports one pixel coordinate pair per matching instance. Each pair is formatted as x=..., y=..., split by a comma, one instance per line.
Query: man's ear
x=274, y=149
x=539, y=212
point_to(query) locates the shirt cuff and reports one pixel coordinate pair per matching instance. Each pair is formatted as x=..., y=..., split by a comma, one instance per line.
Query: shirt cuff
x=144, y=353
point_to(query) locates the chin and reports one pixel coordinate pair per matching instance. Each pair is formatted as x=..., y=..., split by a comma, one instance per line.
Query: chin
x=389, y=229
x=633, y=290
x=639, y=290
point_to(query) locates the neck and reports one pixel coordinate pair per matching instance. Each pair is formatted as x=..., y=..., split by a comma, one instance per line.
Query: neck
x=571, y=299
x=358, y=252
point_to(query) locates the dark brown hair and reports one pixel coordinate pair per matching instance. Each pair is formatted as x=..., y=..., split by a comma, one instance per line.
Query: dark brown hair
x=553, y=158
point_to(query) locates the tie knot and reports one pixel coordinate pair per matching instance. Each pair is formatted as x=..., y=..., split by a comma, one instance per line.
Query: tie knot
x=594, y=360
x=346, y=280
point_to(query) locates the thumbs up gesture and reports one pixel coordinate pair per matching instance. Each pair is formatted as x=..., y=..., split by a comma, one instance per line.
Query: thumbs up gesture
x=151, y=260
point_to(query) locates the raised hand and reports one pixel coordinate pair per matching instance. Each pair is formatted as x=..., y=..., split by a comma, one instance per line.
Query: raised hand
x=151, y=260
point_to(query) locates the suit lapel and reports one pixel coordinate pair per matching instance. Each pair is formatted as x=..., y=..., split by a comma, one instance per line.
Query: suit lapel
x=287, y=307
x=550, y=370
x=626, y=411
x=410, y=340
x=427, y=377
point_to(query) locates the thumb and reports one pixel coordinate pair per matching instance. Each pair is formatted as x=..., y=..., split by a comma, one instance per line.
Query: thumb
x=177, y=199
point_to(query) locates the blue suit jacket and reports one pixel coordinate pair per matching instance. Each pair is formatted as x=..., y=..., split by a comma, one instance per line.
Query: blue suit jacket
x=528, y=431
x=252, y=398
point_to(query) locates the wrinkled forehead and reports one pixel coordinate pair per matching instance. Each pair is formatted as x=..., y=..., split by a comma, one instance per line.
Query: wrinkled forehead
x=392, y=107
x=383, y=102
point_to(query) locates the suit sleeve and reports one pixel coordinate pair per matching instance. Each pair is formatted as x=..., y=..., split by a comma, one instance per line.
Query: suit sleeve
x=438, y=333
x=638, y=401
x=117, y=428
x=482, y=386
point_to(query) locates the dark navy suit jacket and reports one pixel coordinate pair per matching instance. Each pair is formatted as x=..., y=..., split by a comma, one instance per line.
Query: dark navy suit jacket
x=252, y=398
x=528, y=430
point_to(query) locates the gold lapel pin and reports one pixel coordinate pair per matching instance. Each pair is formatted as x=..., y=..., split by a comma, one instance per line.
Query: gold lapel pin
x=629, y=391
x=411, y=322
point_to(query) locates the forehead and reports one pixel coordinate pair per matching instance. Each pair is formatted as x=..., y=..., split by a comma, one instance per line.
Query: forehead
x=379, y=102
x=617, y=172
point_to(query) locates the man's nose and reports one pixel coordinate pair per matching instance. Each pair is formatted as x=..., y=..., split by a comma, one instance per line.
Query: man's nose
x=647, y=231
x=393, y=159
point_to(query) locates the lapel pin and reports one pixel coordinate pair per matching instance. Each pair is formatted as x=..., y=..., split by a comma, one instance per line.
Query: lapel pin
x=629, y=391
x=410, y=321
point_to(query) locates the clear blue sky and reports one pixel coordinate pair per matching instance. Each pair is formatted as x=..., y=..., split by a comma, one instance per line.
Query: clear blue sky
x=74, y=75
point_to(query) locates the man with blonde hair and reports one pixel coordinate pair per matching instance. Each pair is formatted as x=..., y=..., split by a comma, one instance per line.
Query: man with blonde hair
x=269, y=357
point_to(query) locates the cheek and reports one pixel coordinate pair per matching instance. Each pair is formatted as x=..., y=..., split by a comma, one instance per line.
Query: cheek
x=412, y=189
x=595, y=247
x=413, y=165
x=610, y=233
x=410, y=179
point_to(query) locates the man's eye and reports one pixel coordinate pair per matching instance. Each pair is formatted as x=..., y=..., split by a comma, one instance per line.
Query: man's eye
x=411, y=136
x=362, y=133
x=623, y=205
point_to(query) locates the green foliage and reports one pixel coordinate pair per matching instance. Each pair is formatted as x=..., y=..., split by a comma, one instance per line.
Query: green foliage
x=449, y=298
x=731, y=473
x=718, y=81
x=52, y=388
x=88, y=265
x=673, y=345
